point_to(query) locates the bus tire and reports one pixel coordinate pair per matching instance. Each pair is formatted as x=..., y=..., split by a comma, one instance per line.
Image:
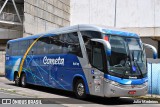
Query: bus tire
x=80, y=89
x=23, y=80
x=17, y=80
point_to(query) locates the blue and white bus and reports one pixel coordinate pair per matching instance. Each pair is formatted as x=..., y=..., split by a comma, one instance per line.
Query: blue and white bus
x=86, y=59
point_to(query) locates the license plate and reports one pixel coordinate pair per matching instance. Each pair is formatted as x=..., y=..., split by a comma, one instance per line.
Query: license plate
x=132, y=92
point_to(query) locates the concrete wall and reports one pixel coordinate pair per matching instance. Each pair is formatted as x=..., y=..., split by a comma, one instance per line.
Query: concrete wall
x=139, y=16
x=92, y=12
x=45, y=15
x=10, y=34
x=2, y=60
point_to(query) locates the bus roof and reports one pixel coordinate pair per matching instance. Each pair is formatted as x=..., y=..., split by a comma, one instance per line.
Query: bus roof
x=82, y=27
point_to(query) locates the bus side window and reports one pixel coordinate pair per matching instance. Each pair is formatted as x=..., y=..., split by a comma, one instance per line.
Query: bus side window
x=43, y=45
x=15, y=48
x=72, y=44
x=97, y=58
x=55, y=46
x=87, y=35
x=65, y=44
x=23, y=46
x=87, y=44
x=8, y=49
x=32, y=51
x=8, y=45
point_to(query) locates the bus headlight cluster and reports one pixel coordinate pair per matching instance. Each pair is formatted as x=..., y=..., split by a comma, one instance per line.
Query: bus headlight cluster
x=126, y=86
x=145, y=84
x=114, y=83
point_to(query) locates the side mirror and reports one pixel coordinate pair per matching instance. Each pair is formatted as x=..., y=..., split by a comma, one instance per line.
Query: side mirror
x=153, y=49
x=106, y=45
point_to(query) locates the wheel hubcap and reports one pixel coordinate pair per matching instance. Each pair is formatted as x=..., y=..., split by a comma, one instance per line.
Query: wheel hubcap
x=80, y=89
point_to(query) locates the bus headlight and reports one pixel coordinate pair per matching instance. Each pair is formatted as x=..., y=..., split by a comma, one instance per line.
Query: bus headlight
x=145, y=84
x=114, y=83
x=111, y=82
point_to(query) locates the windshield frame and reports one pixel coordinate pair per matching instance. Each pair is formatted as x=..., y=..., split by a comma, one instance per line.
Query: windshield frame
x=131, y=60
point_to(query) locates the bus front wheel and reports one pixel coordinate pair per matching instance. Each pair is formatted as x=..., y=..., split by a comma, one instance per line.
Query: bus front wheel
x=80, y=89
x=23, y=80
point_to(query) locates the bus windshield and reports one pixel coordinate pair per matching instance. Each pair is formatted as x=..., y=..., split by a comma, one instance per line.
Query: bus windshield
x=127, y=58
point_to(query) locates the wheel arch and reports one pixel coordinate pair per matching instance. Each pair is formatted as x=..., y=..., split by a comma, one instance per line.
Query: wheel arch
x=23, y=72
x=77, y=77
x=15, y=73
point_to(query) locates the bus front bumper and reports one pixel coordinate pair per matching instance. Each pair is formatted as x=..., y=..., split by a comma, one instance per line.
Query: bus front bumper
x=115, y=90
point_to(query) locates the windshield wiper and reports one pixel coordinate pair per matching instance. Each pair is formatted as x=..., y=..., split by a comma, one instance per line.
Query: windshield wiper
x=138, y=68
x=124, y=71
x=127, y=62
x=135, y=62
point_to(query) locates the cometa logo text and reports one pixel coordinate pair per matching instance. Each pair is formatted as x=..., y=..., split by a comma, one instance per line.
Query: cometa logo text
x=53, y=61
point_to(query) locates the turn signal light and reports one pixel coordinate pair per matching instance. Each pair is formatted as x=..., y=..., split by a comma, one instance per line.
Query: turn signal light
x=106, y=38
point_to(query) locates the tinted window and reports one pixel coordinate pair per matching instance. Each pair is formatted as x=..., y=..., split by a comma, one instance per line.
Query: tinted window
x=59, y=44
x=55, y=46
x=42, y=45
x=71, y=44
x=87, y=35
x=8, y=49
x=97, y=60
x=15, y=48
x=23, y=46
x=33, y=49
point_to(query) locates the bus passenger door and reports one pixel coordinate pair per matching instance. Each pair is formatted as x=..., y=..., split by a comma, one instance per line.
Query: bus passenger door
x=97, y=70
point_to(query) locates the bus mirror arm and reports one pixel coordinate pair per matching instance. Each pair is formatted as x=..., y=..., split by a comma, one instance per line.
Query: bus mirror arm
x=106, y=45
x=152, y=48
